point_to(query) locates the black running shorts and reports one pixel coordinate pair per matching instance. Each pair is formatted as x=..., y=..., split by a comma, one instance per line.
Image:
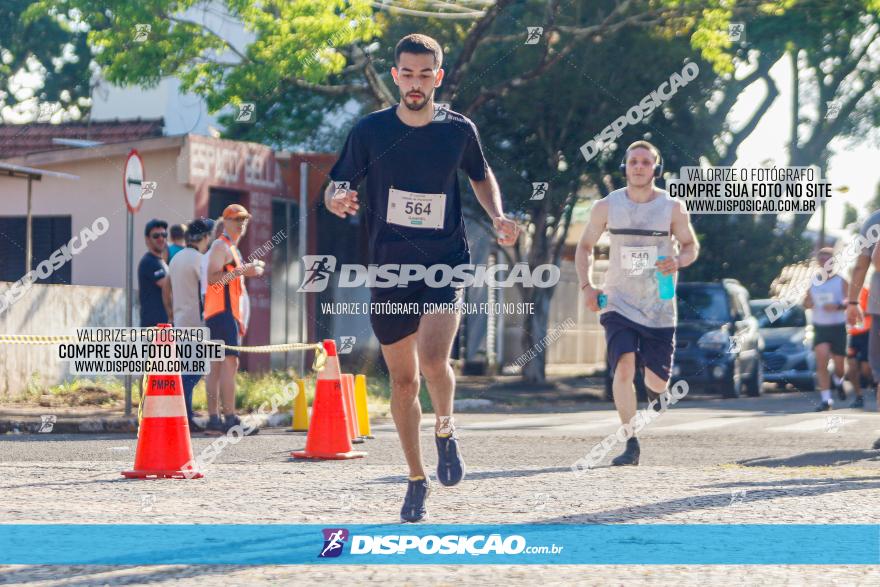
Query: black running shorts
x=394, y=317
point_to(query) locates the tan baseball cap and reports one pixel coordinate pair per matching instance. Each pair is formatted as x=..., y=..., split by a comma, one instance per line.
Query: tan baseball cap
x=235, y=211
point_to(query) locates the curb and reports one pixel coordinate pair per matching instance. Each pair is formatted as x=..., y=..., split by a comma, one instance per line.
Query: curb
x=30, y=425
x=118, y=425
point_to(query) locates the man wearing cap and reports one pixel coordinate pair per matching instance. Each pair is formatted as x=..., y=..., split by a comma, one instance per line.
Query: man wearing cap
x=185, y=295
x=153, y=275
x=224, y=312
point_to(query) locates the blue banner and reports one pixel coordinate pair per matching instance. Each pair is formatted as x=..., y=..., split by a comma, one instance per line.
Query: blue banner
x=281, y=544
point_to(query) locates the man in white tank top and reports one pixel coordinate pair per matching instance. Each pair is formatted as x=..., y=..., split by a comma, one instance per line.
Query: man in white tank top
x=639, y=326
x=827, y=300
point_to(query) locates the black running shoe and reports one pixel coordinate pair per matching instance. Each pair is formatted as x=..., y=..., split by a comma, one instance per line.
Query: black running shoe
x=414, y=509
x=194, y=426
x=841, y=392
x=859, y=402
x=630, y=456
x=230, y=422
x=214, y=425
x=877, y=444
x=450, y=465
x=824, y=407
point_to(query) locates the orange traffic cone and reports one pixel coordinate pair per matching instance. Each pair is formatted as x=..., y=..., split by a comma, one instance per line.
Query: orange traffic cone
x=328, y=436
x=350, y=409
x=164, y=447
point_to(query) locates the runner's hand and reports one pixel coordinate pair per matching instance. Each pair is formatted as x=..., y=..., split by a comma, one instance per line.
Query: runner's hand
x=854, y=315
x=252, y=269
x=667, y=266
x=508, y=230
x=591, y=295
x=343, y=203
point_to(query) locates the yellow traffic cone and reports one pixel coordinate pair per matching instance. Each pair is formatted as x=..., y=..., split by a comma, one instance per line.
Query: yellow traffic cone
x=360, y=398
x=300, y=408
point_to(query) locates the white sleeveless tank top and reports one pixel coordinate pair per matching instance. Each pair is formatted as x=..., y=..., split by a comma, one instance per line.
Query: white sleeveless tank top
x=830, y=292
x=639, y=233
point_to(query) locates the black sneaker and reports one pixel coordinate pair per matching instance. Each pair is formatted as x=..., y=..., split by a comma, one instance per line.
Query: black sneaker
x=231, y=421
x=193, y=426
x=450, y=465
x=841, y=392
x=630, y=456
x=876, y=444
x=859, y=402
x=824, y=407
x=414, y=509
x=214, y=425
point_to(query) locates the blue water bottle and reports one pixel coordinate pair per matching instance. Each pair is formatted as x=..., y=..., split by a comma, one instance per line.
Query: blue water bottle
x=665, y=283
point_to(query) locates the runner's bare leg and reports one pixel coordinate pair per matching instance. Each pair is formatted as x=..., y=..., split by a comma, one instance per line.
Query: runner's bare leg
x=623, y=387
x=403, y=366
x=436, y=334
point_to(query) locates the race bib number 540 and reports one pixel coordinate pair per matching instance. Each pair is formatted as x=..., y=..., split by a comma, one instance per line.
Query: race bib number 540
x=415, y=210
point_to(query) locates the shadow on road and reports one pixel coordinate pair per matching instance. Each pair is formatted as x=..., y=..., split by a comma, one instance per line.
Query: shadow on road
x=92, y=574
x=486, y=474
x=735, y=494
x=830, y=458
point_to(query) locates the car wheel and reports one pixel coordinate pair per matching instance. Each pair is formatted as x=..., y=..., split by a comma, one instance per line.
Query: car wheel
x=755, y=383
x=732, y=386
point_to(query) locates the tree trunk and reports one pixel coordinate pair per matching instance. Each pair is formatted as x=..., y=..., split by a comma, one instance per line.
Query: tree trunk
x=534, y=333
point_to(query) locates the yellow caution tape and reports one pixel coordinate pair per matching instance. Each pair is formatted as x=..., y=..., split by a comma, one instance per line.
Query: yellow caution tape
x=32, y=339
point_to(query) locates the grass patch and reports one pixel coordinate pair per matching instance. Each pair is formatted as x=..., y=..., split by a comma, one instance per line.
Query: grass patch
x=251, y=391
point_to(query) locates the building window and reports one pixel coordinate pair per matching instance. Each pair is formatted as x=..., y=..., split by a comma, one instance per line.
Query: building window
x=50, y=234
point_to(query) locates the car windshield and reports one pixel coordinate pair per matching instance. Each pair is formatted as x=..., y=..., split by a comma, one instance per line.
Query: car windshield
x=794, y=317
x=702, y=303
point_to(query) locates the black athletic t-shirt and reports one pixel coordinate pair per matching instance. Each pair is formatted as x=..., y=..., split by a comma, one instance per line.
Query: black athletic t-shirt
x=387, y=153
x=150, y=270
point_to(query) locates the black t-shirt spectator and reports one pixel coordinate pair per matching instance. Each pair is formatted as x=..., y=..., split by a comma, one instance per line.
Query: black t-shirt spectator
x=425, y=160
x=150, y=270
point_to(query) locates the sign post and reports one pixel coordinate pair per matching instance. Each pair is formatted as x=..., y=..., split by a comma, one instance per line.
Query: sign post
x=132, y=182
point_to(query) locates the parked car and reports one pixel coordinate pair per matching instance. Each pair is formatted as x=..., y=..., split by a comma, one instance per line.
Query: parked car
x=788, y=346
x=718, y=342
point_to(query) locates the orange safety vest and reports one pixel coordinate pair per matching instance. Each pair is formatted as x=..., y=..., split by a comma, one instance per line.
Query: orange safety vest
x=229, y=298
x=866, y=323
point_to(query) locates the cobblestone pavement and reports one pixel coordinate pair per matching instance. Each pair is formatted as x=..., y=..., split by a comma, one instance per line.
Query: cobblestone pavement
x=707, y=462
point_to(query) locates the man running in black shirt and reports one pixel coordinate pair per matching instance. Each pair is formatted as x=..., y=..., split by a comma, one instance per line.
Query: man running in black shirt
x=409, y=159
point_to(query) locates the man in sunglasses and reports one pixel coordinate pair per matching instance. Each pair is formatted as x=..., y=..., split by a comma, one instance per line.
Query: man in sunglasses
x=153, y=275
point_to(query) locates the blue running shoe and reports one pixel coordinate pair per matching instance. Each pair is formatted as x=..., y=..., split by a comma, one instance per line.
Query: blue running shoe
x=417, y=493
x=450, y=465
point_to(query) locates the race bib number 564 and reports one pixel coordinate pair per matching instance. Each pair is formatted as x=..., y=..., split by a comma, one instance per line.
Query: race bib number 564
x=415, y=210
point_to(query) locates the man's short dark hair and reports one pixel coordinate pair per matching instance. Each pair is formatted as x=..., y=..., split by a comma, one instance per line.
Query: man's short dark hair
x=154, y=223
x=420, y=45
x=177, y=231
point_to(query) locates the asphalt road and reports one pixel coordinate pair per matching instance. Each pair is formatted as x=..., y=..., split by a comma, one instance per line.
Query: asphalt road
x=761, y=460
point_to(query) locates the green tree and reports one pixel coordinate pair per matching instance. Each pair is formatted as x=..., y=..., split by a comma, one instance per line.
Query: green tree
x=46, y=48
x=850, y=214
